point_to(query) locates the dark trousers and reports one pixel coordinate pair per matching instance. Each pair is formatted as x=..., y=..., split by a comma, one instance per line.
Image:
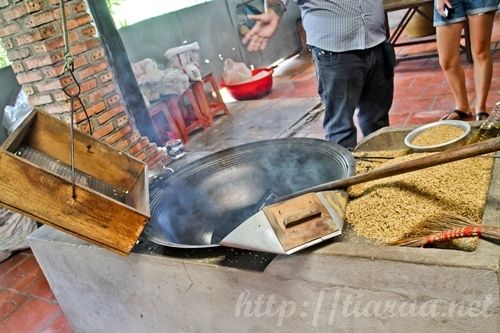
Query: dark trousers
x=362, y=79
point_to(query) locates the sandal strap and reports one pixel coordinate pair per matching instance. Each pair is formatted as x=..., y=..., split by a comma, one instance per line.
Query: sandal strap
x=462, y=115
x=482, y=115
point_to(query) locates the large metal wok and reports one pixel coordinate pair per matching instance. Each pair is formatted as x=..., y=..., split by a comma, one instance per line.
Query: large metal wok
x=207, y=199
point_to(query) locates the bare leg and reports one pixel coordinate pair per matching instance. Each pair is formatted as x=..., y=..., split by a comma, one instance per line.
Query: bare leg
x=480, y=35
x=448, y=42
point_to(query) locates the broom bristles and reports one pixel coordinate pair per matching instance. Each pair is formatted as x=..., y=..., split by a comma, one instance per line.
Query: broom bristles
x=444, y=227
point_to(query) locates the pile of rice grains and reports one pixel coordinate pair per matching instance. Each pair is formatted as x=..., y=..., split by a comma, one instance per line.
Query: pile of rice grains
x=436, y=135
x=389, y=208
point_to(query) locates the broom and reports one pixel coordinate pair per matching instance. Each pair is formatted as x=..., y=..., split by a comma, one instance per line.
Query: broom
x=444, y=227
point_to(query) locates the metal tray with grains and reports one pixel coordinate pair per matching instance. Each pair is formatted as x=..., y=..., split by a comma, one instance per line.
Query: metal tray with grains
x=383, y=210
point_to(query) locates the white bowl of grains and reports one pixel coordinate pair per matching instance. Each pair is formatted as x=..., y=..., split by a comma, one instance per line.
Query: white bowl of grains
x=438, y=136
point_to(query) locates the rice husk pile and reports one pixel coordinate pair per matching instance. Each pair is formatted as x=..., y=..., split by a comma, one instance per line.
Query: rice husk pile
x=389, y=208
x=437, y=135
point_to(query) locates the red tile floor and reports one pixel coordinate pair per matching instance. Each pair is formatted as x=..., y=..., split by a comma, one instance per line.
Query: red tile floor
x=421, y=95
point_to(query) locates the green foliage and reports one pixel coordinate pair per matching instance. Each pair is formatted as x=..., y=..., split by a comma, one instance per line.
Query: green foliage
x=4, y=61
x=112, y=5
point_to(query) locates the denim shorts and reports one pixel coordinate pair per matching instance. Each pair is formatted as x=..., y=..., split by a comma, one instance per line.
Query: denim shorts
x=464, y=8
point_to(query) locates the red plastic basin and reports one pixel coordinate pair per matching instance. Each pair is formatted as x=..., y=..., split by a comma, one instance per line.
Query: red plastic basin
x=252, y=89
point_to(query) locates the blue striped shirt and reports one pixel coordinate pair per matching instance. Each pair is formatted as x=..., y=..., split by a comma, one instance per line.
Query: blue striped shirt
x=342, y=25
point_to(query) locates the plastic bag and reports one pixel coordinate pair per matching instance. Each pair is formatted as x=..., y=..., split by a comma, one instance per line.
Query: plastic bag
x=175, y=81
x=154, y=82
x=146, y=71
x=14, y=115
x=14, y=228
x=235, y=72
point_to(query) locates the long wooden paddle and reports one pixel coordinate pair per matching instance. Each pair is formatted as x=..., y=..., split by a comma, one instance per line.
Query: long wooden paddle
x=460, y=153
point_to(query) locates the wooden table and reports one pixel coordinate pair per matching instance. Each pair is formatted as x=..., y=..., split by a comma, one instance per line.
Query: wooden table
x=412, y=7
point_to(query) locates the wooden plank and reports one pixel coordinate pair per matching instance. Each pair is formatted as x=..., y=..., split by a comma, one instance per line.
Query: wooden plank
x=96, y=158
x=139, y=194
x=18, y=136
x=391, y=5
x=49, y=223
x=48, y=198
x=35, y=191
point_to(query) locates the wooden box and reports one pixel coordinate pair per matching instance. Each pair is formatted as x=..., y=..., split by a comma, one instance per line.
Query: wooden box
x=111, y=206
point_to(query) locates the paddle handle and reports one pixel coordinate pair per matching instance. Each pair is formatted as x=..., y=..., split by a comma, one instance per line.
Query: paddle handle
x=480, y=148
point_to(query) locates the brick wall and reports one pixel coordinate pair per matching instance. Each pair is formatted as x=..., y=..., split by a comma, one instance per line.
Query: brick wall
x=31, y=32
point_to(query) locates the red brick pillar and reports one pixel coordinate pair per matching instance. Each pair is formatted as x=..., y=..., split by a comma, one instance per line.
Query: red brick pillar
x=31, y=32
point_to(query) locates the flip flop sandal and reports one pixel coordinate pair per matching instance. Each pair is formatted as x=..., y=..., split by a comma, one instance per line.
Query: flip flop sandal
x=461, y=115
x=482, y=116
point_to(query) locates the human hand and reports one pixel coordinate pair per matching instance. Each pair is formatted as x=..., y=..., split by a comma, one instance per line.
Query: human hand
x=440, y=6
x=265, y=25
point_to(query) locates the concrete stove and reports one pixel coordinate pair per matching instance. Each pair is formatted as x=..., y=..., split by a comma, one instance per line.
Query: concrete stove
x=345, y=285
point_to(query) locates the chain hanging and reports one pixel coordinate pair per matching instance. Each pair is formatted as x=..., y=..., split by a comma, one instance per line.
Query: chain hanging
x=69, y=68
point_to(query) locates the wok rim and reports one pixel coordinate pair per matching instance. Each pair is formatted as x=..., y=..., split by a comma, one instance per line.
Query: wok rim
x=213, y=160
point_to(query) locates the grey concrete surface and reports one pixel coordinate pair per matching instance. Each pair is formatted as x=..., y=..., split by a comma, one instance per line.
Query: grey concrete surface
x=314, y=291
x=275, y=118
